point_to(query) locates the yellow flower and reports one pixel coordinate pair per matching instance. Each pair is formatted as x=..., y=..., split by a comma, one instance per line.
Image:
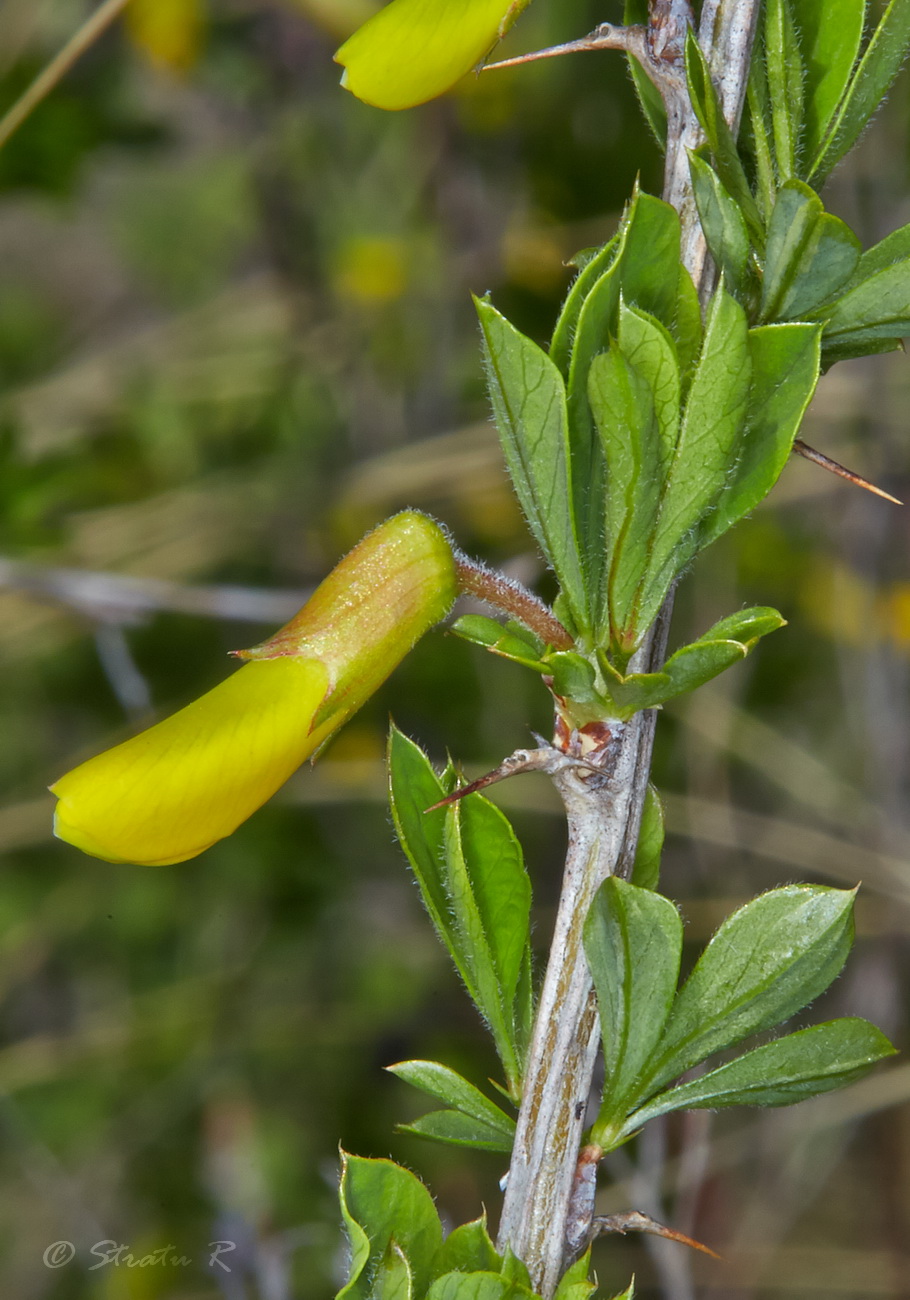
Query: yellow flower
x=175, y=789
x=414, y=50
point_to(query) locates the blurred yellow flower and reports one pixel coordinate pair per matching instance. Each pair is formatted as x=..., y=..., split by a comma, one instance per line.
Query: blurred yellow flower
x=174, y=790
x=414, y=50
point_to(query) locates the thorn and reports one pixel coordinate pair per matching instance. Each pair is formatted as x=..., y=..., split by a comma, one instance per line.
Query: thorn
x=818, y=458
x=549, y=53
x=546, y=759
x=635, y=1221
x=521, y=761
x=607, y=36
x=490, y=779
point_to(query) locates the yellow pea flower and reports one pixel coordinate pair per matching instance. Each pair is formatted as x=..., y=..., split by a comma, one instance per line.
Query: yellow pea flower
x=177, y=788
x=414, y=50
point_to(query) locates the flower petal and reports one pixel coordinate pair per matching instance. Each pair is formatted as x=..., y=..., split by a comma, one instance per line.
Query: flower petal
x=175, y=789
x=414, y=50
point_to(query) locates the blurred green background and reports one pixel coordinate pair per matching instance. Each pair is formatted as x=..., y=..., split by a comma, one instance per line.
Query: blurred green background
x=235, y=332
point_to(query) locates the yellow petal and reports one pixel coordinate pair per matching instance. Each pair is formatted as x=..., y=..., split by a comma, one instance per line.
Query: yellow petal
x=175, y=789
x=414, y=50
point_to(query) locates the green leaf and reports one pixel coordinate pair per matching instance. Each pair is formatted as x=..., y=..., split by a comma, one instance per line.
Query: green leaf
x=878, y=308
x=529, y=403
x=500, y=885
x=470, y=870
x=628, y=1294
x=867, y=88
x=514, y=1270
x=785, y=367
x=708, y=440
x=477, y=1286
x=414, y=50
x=758, y=128
x=458, y=1129
x=829, y=34
x=467, y=1249
x=726, y=643
x=766, y=961
x=590, y=272
x=445, y=1085
x=810, y=254
x=573, y=677
x=723, y=223
x=785, y=84
x=692, y=665
x=574, y=1284
x=645, y=272
x=893, y=248
x=860, y=347
x=634, y=393
x=646, y=867
x=723, y=147
x=381, y=1202
x=632, y=692
x=509, y=642
x=633, y=942
x=490, y=901
x=687, y=325
x=392, y=1279
x=413, y=787
x=788, y=1070
x=649, y=97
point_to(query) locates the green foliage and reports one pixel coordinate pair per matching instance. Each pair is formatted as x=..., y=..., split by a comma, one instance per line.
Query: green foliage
x=810, y=255
x=512, y=641
x=873, y=314
x=646, y=866
x=788, y=1070
x=633, y=941
x=785, y=83
x=473, y=1120
x=812, y=93
x=867, y=86
x=829, y=34
x=471, y=874
x=478, y=1286
x=468, y=1249
x=767, y=961
x=397, y=1251
x=676, y=481
x=642, y=430
x=575, y=1284
x=649, y=97
x=529, y=403
x=725, y=644
x=393, y=1230
x=723, y=147
x=724, y=226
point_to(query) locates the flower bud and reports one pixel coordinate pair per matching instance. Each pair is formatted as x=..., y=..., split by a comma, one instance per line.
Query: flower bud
x=177, y=788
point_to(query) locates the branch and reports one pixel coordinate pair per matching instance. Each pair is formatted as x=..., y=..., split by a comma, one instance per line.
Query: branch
x=604, y=815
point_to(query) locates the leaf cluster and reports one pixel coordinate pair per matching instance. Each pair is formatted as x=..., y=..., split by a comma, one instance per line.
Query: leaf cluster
x=813, y=88
x=766, y=962
x=591, y=686
x=639, y=439
x=398, y=1251
x=470, y=869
